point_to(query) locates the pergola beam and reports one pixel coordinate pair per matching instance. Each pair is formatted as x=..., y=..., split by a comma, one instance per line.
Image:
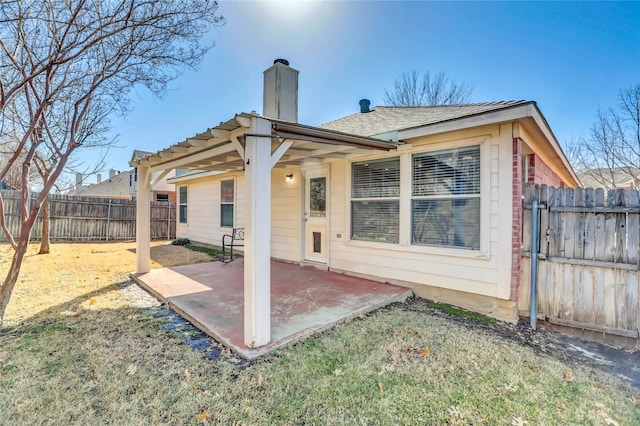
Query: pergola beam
x=201, y=155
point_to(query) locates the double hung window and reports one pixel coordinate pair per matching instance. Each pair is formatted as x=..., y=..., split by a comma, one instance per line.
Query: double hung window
x=375, y=200
x=227, y=201
x=445, y=198
x=182, y=201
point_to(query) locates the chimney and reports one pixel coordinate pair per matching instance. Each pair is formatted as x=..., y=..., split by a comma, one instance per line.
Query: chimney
x=99, y=178
x=280, y=92
x=364, y=106
x=112, y=173
x=78, y=181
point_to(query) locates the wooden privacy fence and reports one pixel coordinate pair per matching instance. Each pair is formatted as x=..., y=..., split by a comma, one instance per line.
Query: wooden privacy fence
x=86, y=218
x=589, y=241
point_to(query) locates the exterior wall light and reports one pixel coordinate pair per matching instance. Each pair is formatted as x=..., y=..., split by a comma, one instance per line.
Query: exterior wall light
x=288, y=178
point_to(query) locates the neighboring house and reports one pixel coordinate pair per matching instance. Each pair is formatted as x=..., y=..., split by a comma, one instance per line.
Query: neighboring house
x=611, y=178
x=122, y=186
x=161, y=190
x=115, y=187
x=6, y=185
x=425, y=197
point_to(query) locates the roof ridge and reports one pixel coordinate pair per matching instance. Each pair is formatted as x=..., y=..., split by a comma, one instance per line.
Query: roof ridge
x=503, y=102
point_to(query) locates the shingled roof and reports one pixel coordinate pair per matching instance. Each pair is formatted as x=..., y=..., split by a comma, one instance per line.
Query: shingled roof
x=114, y=187
x=384, y=119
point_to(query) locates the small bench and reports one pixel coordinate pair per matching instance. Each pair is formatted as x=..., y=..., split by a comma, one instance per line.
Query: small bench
x=235, y=239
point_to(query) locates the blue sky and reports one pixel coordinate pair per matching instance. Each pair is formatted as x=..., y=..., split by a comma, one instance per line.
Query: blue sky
x=570, y=58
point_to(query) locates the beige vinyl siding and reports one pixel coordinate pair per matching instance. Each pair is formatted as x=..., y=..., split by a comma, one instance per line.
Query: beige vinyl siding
x=286, y=214
x=204, y=209
x=286, y=204
x=486, y=271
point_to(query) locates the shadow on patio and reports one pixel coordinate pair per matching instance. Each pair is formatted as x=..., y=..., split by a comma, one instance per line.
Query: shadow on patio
x=304, y=300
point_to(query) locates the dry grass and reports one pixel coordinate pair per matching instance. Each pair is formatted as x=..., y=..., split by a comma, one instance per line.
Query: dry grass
x=74, y=270
x=105, y=362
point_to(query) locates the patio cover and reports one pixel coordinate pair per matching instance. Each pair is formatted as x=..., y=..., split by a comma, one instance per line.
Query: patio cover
x=254, y=144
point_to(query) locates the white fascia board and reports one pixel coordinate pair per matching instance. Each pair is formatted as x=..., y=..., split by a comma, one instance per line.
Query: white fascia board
x=494, y=117
x=529, y=110
x=388, y=136
x=548, y=133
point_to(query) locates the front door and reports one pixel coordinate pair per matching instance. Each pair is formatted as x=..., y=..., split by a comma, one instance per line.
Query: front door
x=315, y=216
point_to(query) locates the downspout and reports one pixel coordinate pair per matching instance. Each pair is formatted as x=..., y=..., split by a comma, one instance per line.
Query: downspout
x=533, y=306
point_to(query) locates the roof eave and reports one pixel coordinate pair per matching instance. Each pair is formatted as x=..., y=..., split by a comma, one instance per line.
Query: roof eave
x=508, y=114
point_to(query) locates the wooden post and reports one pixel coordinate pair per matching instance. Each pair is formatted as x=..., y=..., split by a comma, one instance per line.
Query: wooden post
x=108, y=219
x=257, y=254
x=143, y=216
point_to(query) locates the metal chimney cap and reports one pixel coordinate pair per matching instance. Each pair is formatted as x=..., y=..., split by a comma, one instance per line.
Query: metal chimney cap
x=364, y=105
x=281, y=61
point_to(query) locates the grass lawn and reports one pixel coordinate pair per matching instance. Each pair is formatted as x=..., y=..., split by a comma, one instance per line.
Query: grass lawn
x=76, y=350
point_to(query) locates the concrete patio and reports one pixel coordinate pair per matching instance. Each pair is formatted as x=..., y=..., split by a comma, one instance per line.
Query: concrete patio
x=304, y=300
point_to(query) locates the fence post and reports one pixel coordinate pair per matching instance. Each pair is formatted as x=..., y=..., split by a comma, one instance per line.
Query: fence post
x=168, y=221
x=533, y=307
x=108, y=218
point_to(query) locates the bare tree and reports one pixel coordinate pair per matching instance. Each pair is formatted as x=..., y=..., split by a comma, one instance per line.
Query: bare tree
x=609, y=155
x=7, y=149
x=67, y=65
x=415, y=89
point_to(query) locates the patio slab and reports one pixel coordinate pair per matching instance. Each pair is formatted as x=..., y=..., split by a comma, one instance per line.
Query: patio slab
x=304, y=300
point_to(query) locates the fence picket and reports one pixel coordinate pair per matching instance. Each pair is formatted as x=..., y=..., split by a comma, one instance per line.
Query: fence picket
x=590, y=273
x=85, y=218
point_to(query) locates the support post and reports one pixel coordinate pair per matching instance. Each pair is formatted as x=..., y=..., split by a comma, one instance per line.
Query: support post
x=257, y=249
x=143, y=218
x=533, y=305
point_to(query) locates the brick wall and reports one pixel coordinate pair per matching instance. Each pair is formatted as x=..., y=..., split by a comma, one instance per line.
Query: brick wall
x=540, y=173
x=516, y=233
x=171, y=194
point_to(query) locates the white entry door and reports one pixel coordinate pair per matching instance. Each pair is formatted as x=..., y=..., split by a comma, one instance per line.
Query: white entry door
x=315, y=216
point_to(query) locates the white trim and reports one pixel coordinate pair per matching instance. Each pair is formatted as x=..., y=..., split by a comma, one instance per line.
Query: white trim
x=322, y=170
x=404, y=238
x=413, y=248
x=235, y=202
x=180, y=203
x=493, y=117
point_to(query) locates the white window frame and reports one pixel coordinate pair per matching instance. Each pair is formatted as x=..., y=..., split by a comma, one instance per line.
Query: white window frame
x=232, y=203
x=439, y=196
x=374, y=199
x=488, y=170
x=182, y=204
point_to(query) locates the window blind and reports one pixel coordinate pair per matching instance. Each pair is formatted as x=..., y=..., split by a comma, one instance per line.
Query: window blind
x=376, y=179
x=450, y=172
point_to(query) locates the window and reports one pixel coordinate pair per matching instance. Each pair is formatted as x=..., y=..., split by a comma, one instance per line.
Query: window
x=227, y=197
x=162, y=198
x=183, y=204
x=375, y=200
x=445, y=204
